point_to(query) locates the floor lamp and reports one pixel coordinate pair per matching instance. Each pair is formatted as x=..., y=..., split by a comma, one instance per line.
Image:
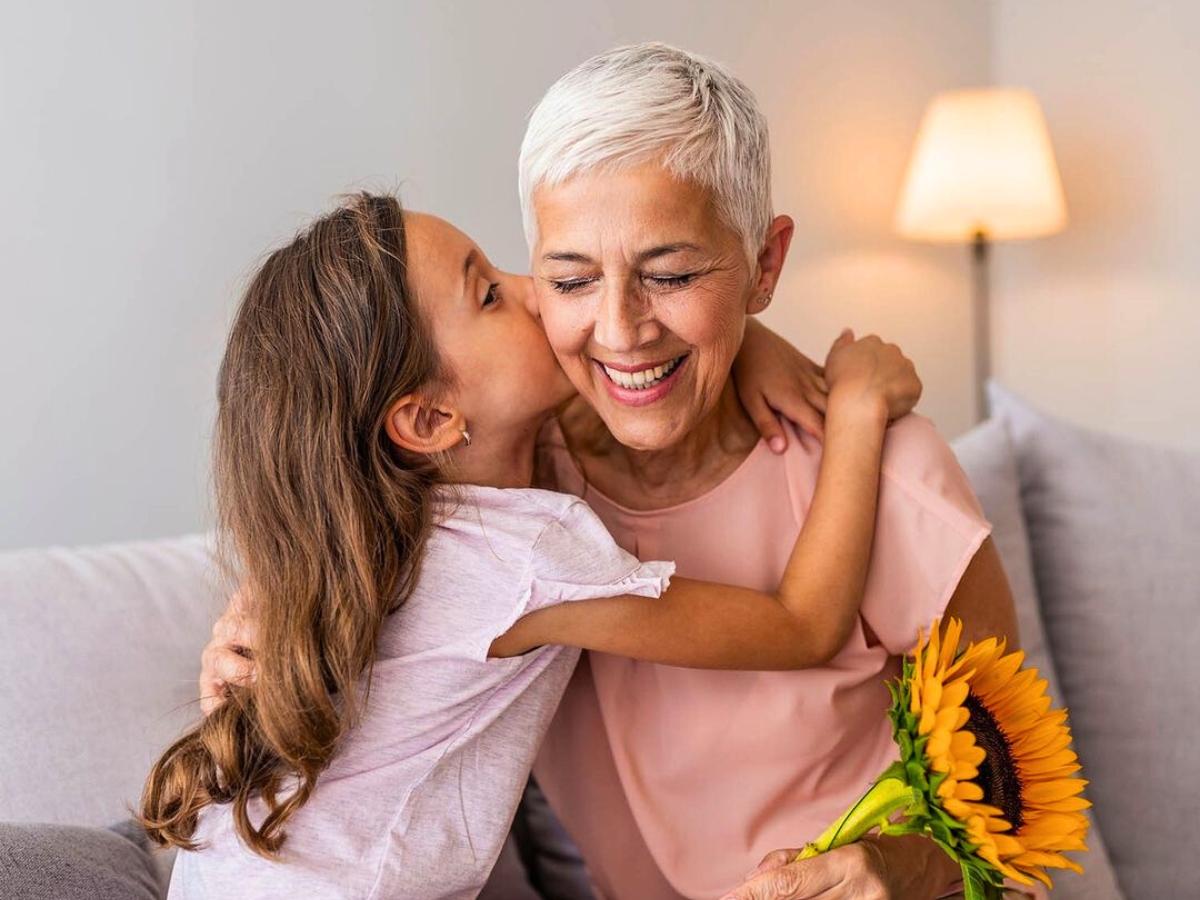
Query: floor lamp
x=982, y=170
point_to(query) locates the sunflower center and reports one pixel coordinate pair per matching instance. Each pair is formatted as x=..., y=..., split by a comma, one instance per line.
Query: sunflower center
x=998, y=777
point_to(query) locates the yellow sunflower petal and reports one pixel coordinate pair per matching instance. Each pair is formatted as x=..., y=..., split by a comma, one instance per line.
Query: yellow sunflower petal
x=950, y=644
x=955, y=693
x=938, y=750
x=968, y=790
x=931, y=692
x=927, y=721
x=1050, y=791
x=963, y=771
x=951, y=719
x=931, y=653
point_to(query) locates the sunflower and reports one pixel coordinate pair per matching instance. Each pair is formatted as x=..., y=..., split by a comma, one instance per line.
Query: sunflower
x=985, y=767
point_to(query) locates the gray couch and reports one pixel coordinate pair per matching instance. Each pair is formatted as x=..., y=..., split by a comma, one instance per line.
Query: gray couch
x=1101, y=539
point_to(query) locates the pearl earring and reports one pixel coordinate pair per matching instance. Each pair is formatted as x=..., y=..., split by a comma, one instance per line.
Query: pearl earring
x=466, y=437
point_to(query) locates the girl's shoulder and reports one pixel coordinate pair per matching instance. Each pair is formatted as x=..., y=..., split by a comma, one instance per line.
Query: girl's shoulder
x=533, y=502
x=523, y=514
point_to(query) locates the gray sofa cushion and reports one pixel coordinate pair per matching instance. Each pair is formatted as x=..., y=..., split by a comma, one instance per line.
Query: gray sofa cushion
x=989, y=459
x=986, y=455
x=68, y=862
x=1115, y=531
x=99, y=651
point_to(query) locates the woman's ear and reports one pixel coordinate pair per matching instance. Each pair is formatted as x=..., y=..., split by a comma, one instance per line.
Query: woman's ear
x=420, y=425
x=770, y=262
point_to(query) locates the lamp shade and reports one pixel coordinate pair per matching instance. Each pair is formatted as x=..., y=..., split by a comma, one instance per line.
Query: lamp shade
x=982, y=163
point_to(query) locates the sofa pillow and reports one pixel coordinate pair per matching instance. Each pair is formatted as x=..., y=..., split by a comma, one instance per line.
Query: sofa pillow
x=99, y=652
x=1114, y=527
x=987, y=456
x=70, y=862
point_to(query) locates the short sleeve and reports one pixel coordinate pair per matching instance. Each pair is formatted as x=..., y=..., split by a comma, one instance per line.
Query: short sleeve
x=575, y=558
x=928, y=530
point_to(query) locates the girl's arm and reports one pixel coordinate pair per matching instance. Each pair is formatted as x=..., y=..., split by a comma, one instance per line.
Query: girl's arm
x=809, y=618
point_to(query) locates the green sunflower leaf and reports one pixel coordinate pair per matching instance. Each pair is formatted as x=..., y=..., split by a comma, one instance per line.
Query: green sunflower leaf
x=976, y=887
x=916, y=776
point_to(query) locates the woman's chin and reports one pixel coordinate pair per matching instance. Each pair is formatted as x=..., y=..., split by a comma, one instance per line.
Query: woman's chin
x=644, y=431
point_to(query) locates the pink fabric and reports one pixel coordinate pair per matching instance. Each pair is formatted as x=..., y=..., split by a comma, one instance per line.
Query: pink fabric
x=675, y=782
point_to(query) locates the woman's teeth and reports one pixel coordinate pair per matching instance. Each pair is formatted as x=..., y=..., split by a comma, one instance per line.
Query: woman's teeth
x=646, y=378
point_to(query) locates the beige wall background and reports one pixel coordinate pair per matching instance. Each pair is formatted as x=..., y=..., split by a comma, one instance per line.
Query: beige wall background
x=1101, y=324
x=154, y=151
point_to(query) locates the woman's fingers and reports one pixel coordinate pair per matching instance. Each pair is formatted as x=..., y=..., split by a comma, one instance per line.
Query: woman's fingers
x=791, y=881
x=772, y=861
x=229, y=657
x=235, y=628
x=852, y=872
x=220, y=667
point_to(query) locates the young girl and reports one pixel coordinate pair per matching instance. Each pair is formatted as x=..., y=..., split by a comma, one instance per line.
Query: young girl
x=379, y=402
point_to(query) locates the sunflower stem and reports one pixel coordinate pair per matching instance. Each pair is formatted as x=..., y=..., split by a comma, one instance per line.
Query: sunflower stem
x=886, y=797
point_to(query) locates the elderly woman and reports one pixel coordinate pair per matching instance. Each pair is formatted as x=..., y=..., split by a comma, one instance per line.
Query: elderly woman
x=645, y=187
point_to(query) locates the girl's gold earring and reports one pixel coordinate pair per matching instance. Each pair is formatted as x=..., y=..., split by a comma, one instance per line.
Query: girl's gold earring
x=466, y=437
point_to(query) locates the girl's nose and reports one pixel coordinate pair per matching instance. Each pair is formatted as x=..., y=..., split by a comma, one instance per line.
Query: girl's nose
x=520, y=289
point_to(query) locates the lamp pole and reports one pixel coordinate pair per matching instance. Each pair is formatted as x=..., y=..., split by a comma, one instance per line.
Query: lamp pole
x=983, y=322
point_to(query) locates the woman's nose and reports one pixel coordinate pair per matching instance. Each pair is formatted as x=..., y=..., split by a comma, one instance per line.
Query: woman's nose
x=623, y=319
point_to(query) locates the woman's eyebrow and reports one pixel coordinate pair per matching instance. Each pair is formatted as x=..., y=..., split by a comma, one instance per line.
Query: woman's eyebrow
x=664, y=250
x=644, y=256
x=567, y=256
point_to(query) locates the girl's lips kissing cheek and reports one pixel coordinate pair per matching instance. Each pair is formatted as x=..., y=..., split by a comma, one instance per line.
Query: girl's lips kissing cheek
x=641, y=384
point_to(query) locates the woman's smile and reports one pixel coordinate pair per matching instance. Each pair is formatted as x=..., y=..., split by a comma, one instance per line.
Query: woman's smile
x=641, y=384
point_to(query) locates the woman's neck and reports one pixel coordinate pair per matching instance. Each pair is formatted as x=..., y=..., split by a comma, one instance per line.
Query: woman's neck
x=656, y=479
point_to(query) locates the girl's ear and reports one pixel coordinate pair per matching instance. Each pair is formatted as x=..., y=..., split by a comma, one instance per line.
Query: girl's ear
x=770, y=262
x=418, y=424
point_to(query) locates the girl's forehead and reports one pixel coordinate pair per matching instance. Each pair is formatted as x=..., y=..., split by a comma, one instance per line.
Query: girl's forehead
x=437, y=254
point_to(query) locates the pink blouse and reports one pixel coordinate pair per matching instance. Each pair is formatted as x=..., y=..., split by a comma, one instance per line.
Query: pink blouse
x=675, y=782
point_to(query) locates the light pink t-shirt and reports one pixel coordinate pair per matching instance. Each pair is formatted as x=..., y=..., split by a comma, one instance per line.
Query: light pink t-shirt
x=675, y=782
x=419, y=798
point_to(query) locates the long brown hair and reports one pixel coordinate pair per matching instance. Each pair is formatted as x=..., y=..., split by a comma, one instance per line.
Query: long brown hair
x=324, y=515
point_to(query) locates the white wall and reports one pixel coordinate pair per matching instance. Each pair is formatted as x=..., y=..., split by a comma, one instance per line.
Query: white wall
x=1101, y=324
x=152, y=151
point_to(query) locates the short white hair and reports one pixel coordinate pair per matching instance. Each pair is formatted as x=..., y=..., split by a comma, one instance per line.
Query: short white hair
x=653, y=102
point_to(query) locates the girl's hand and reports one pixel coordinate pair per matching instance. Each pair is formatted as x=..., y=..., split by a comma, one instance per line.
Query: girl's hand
x=774, y=378
x=228, y=658
x=870, y=371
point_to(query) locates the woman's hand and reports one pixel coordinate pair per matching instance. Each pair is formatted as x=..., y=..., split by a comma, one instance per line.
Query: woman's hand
x=854, y=872
x=228, y=658
x=870, y=371
x=773, y=378
x=874, y=868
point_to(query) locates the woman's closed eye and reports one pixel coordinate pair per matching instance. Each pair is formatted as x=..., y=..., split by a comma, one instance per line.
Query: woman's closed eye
x=569, y=285
x=669, y=281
